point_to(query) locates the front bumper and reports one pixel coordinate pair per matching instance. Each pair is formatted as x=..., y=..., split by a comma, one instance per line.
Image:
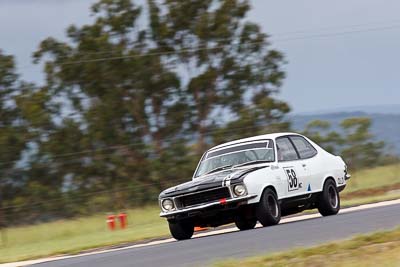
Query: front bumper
x=205, y=206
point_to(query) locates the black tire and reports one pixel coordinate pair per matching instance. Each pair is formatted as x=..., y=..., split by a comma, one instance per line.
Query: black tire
x=244, y=223
x=181, y=230
x=329, y=199
x=268, y=211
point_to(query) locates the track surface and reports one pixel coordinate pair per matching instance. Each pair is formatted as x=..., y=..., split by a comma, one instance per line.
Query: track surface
x=205, y=250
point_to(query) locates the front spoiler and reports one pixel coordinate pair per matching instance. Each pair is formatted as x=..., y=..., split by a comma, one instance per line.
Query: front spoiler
x=208, y=205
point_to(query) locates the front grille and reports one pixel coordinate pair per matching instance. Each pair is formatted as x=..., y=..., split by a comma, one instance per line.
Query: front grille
x=203, y=197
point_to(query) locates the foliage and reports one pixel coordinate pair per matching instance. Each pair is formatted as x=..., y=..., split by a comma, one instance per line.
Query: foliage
x=13, y=131
x=354, y=142
x=319, y=132
x=359, y=148
x=133, y=99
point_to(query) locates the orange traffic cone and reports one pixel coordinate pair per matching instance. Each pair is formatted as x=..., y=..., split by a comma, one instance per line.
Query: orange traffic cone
x=198, y=228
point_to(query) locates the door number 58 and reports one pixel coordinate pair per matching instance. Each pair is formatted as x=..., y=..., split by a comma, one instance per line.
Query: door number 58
x=293, y=183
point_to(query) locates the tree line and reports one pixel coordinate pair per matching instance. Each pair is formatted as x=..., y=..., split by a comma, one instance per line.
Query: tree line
x=132, y=100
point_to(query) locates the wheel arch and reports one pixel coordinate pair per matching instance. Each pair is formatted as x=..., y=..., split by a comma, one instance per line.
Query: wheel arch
x=328, y=177
x=260, y=191
x=272, y=188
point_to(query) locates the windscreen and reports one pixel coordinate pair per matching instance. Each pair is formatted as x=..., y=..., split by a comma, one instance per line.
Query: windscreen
x=235, y=155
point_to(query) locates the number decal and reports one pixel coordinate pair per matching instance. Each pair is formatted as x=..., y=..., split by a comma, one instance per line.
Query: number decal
x=293, y=182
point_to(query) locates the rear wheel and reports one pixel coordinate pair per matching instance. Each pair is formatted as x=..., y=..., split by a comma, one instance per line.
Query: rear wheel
x=268, y=211
x=244, y=223
x=329, y=200
x=181, y=230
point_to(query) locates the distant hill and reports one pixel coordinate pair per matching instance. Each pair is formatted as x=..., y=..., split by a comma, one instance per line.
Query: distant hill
x=371, y=109
x=384, y=127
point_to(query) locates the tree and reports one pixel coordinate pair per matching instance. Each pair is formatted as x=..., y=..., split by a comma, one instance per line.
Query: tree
x=354, y=142
x=319, y=131
x=144, y=93
x=359, y=148
x=229, y=69
x=13, y=131
x=127, y=109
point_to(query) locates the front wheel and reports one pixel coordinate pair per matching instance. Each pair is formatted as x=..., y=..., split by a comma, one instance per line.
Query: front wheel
x=181, y=230
x=329, y=200
x=268, y=211
x=244, y=223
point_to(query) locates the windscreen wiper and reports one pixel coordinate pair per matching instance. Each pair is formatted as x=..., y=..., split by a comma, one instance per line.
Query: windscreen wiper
x=219, y=169
x=252, y=162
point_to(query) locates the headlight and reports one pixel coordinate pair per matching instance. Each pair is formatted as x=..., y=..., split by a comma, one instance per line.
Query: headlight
x=239, y=190
x=167, y=204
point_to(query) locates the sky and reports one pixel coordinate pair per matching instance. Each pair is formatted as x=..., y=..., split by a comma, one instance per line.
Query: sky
x=340, y=54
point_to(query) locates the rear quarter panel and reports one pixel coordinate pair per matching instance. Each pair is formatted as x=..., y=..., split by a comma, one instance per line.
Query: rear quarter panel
x=323, y=166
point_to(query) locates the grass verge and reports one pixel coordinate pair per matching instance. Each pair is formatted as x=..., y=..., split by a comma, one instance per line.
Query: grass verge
x=369, y=180
x=369, y=199
x=378, y=249
x=71, y=236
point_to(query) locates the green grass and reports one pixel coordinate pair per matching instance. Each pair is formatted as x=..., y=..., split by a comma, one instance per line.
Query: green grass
x=373, y=178
x=369, y=199
x=378, y=249
x=70, y=236
x=75, y=235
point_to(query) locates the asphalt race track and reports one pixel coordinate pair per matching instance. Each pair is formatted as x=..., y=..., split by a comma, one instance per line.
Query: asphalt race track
x=202, y=250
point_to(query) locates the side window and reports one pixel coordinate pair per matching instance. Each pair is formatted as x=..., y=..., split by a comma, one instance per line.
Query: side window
x=286, y=150
x=305, y=149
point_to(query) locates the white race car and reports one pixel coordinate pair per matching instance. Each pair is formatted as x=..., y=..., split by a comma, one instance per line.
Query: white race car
x=254, y=179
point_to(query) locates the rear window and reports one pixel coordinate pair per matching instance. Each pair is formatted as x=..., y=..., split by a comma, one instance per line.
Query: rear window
x=305, y=149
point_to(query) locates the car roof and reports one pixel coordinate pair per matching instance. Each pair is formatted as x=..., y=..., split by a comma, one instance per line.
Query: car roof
x=254, y=138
